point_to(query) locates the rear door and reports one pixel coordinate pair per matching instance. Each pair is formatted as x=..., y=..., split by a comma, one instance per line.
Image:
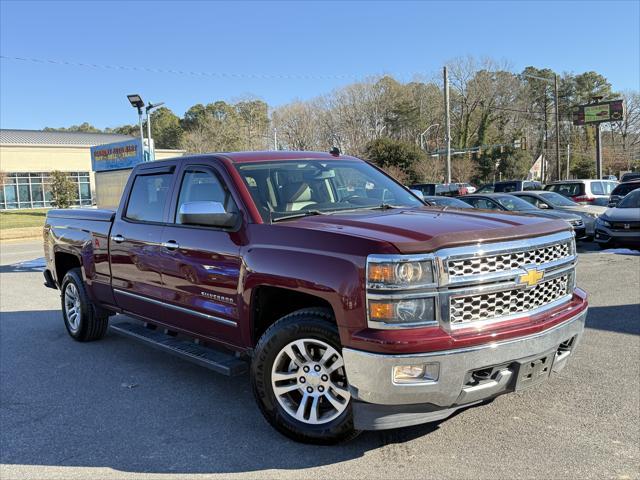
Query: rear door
x=201, y=264
x=134, y=244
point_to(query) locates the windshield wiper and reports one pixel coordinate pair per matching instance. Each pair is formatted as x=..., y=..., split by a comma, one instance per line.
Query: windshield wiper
x=306, y=213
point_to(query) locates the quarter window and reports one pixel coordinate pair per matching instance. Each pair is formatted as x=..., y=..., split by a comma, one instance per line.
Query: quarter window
x=148, y=197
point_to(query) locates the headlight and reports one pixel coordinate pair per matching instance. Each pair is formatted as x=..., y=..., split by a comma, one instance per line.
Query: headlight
x=403, y=312
x=603, y=222
x=399, y=272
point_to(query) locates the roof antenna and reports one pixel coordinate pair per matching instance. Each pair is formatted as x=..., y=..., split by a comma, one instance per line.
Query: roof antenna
x=335, y=151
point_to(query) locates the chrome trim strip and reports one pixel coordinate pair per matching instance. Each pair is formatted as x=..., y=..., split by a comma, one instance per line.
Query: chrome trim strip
x=206, y=316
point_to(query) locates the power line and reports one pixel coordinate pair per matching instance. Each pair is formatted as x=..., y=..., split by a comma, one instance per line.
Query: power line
x=192, y=73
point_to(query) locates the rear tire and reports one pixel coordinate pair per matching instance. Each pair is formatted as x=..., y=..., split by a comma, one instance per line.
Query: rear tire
x=83, y=320
x=300, y=356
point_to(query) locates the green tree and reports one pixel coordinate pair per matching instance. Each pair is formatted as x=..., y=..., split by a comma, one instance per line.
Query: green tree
x=83, y=127
x=386, y=152
x=64, y=191
x=165, y=129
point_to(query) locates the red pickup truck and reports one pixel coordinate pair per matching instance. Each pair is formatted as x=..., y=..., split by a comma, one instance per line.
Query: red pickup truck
x=352, y=304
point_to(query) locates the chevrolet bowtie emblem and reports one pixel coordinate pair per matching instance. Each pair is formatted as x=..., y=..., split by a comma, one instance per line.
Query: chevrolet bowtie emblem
x=532, y=277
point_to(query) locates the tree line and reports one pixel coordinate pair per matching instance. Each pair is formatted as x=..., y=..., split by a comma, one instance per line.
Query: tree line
x=400, y=126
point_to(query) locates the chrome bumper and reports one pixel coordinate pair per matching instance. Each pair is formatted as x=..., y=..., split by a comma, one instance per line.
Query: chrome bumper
x=371, y=374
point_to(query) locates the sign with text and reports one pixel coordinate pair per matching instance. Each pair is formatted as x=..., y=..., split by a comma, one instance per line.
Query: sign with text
x=118, y=156
x=601, y=112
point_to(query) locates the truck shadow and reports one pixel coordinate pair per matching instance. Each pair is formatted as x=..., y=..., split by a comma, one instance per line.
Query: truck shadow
x=121, y=405
x=117, y=404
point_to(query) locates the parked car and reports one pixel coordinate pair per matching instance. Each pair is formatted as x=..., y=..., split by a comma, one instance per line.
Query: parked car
x=554, y=201
x=622, y=190
x=444, y=189
x=620, y=224
x=588, y=192
x=470, y=188
x=511, y=203
x=630, y=176
x=508, y=186
x=351, y=304
x=610, y=177
x=446, y=202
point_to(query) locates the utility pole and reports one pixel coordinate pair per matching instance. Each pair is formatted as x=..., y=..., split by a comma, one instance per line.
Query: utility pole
x=543, y=167
x=555, y=94
x=448, y=123
x=568, y=158
x=598, y=152
x=275, y=139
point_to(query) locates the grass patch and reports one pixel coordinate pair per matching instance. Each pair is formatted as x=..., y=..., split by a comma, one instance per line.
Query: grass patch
x=22, y=218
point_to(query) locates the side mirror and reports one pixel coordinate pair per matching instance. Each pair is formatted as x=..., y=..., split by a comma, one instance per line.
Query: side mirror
x=417, y=193
x=211, y=214
x=543, y=206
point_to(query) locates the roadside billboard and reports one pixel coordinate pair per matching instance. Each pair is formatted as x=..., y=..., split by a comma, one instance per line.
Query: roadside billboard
x=118, y=156
x=593, y=113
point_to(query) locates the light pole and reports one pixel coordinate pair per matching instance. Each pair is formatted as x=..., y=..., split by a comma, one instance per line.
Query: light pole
x=136, y=101
x=423, y=134
x=150, y=107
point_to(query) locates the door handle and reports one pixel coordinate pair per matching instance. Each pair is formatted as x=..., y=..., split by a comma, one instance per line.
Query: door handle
x=117, y=238
x=171, y=245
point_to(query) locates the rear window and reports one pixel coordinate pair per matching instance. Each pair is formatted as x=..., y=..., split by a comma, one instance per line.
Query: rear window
x=625, y=188
x=148, y=197
x=567, y=189
x=506, y=187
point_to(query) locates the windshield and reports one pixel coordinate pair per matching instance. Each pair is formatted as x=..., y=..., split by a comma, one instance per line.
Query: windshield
x=447, y=202
x=558, y=200
x=282, y=189
x=630, y=201
x=514, y=203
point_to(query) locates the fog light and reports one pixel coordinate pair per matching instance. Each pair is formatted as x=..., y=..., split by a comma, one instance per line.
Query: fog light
x=423, y=373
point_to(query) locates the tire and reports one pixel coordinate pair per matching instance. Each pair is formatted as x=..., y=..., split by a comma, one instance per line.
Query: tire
x=327, y=416
x=84, y=322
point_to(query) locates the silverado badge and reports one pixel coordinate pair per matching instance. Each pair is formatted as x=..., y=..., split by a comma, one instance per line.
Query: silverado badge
x=532, y=277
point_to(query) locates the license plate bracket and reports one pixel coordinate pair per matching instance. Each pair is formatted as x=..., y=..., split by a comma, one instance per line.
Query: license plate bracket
x=534, y=370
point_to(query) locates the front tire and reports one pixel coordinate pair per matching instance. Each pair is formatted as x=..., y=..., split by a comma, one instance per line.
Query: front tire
x=83, y=320
x=299, y=380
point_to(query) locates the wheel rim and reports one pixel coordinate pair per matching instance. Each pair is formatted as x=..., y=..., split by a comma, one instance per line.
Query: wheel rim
x=309, y=381
x=72, y=306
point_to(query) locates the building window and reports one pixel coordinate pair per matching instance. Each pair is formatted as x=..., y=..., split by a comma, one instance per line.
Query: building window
x=33, y=190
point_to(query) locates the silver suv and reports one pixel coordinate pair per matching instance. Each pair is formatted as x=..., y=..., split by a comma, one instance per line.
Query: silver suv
x=586, y=192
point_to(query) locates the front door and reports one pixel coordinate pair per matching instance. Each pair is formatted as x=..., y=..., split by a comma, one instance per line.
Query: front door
x=134, y=245
x=200, y=264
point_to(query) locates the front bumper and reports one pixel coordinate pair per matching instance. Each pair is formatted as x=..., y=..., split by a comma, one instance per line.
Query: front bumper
x=379, y=403
x=605, y=235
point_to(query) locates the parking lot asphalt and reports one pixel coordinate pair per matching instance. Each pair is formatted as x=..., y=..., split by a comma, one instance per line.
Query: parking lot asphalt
x=117, y=409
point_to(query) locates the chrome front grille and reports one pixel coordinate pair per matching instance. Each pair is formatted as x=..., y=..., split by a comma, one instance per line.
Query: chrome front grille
x=503, y=262
x=489, y=306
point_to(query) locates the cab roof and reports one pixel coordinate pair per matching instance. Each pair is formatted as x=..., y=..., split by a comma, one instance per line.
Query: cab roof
x=265, y=156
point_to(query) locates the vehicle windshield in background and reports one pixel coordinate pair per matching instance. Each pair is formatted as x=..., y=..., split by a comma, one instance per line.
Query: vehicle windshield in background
x=514, y=203
x=558, y=200
x=630, y=201
x=447, y=202
x=284, y=189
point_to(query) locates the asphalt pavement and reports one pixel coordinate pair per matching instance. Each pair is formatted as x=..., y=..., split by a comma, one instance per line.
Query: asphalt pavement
x=117, y=409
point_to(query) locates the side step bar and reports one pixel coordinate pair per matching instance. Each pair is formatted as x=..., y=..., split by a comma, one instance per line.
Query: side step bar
x=216, y=360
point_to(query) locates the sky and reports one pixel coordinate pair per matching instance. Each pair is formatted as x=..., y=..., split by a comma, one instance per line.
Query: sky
x=281, y=51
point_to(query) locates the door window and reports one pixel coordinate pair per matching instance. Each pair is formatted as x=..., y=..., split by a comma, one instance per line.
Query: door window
x=482, y=203
x=596, y=188
x=202, y=185
x=148, y=197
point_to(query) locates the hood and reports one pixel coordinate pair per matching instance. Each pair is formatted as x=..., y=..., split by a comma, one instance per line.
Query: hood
x=554, y=214
x=427, y=229
x=586, y=209
x=623, y=214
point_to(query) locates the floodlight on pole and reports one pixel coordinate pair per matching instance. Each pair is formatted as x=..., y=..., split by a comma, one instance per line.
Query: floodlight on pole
x=148, y=109
x=136, y=102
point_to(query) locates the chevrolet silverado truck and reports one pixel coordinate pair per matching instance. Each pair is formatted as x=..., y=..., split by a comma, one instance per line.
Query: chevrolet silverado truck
x=352, y=304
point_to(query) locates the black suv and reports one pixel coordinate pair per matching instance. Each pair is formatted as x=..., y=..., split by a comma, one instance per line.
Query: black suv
x=510, y=186
x=621, y=191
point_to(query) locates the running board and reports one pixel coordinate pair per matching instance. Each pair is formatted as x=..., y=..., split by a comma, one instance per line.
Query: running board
x=216, y=360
